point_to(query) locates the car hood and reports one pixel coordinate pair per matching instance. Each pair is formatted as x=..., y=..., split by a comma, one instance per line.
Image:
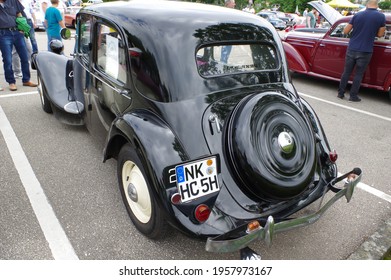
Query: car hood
x=328, y=12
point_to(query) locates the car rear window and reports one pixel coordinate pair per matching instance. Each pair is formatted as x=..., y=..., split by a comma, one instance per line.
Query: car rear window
x=219, y=60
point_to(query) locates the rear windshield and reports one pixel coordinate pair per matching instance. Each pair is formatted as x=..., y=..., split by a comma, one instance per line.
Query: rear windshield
x=219, y=60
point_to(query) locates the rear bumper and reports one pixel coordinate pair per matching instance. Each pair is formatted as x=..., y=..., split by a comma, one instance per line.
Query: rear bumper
x=230, y=242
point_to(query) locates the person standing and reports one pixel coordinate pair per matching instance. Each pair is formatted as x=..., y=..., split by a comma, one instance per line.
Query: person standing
x=226, y=50
x=32, y=46
x=9, y=37
x=311, y=19
x=53, y=22
x=305, y=13
x=366, y=26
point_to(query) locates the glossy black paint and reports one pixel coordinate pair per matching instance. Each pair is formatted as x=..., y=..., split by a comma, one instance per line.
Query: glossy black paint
x=165, y=109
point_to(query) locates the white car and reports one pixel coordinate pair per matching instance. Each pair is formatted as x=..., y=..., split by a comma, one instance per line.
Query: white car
x=39, y=17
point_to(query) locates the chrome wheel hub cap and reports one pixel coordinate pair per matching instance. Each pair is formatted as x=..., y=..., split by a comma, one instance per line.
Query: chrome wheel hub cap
x=286, y=142
x=132, y=192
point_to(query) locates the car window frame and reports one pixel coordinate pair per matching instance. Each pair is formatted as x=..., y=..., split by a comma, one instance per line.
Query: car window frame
x=98, y=69
x=85, y=57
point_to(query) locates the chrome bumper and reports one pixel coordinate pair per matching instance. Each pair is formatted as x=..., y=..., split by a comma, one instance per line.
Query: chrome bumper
x=222, y=244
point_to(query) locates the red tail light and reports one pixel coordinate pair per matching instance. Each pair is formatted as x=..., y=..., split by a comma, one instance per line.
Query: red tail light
x=176, y=198
x=333, y=156
x=202, y=213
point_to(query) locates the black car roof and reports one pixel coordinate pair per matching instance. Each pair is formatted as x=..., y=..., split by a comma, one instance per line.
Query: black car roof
x=159, y=14
x=169, y=34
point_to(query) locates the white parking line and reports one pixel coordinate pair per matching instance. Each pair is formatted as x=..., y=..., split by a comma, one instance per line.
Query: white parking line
x=347, y=107
x=59, y=243
x=17, y=94
x=374, y=191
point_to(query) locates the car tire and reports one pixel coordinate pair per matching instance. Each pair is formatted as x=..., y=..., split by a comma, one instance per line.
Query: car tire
x=46, y=107
x=137, y=194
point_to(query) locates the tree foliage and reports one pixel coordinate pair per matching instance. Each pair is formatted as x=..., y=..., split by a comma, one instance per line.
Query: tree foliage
x=385, y=5
x=288, y=6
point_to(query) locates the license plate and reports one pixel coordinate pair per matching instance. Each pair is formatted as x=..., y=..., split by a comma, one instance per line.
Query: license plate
x=197, y=179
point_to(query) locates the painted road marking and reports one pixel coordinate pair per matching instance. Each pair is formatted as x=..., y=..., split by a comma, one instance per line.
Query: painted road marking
x=347, y=107
x=58, y=241
x=17, y=94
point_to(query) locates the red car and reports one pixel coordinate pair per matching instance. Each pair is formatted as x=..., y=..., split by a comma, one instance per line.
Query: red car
x=322, y=54
x=70, y=16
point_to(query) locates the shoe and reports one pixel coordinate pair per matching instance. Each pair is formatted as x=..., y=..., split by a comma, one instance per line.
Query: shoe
x=340, y=96
x=29, y=84
x=354, y=99
x=18, y=75
x=13, y=87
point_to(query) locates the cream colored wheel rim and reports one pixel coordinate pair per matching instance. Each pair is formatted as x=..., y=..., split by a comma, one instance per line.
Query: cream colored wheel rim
x=40, y=90
x=136, y=192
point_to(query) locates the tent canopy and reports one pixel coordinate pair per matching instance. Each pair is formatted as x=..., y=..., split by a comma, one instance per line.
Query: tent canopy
x=342, y=4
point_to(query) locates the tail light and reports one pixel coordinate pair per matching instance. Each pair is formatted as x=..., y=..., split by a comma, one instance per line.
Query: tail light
x=202, y=213
x=333, y=156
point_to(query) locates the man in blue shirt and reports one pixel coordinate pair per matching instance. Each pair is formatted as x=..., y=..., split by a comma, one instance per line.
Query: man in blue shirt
x=366, y=25
x=54, y=22
x=9, y=37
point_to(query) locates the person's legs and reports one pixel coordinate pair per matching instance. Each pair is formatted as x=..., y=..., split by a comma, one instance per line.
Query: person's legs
x=33, y=41
x=362, y=61
x=20, y=46
x=225, y=52
x=16, y=64
x=350, y=62
x=6, y=43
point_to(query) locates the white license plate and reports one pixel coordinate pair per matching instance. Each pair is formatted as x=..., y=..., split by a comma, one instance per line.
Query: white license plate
x=197, y=179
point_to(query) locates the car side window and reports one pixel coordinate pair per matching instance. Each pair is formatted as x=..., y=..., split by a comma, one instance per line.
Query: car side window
x=111, y=55
x=338, y=31
x=84, y=43
x=234, y=59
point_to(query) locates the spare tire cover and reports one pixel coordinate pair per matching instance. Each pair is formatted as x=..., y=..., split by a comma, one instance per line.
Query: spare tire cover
x=271, y=146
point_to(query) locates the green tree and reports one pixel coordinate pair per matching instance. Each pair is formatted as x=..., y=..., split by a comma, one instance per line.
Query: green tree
x=385, y=5
x=288, y=6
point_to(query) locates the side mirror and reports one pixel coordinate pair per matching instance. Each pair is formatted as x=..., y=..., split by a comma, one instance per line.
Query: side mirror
x=65, y=33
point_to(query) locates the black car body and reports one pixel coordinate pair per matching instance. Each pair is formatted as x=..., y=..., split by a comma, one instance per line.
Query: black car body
x=273, y=19
x=221, y=150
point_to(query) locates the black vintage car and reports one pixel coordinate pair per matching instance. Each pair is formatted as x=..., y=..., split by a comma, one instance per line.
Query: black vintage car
x=196, y=104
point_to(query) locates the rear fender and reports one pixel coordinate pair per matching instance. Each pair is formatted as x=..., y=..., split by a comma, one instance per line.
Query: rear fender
x=57, y=79
x=157, y=146
x=296, y=61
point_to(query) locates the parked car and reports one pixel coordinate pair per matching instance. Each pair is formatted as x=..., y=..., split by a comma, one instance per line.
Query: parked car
x=323, y=54
x=39, y=17
x=273, y=19
x=91, y=2
x=70, y=16
x=223, y=151
x=281, y=15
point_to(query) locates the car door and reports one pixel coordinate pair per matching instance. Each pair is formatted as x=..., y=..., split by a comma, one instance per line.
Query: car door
x=110, y=91
x=379, y=69
x=329, y=58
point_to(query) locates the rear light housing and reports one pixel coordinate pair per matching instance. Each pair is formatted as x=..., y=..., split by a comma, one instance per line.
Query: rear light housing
x=201, y=213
